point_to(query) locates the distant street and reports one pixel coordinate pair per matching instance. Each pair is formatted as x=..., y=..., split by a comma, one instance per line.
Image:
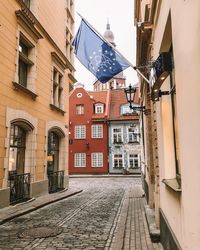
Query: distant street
x=88, y=220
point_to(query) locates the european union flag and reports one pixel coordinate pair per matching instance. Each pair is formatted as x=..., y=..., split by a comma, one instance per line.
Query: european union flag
x=96, y=55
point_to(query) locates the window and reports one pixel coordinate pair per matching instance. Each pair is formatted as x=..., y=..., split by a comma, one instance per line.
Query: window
x=97, y=160
x=17, y=149
x=24, y=63
x=133, y=135
x=80, y=132
x=174, y=119
x=27, y=3
x=80, y=160
x=133, y=161
x=57, y=89
x=117, y=135
x=118, y=161
x=80, y=109
x=97, y=131
x=99, y=108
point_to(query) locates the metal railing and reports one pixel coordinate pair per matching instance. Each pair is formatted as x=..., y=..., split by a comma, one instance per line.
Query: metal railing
x=56, y=181
x=19, y=187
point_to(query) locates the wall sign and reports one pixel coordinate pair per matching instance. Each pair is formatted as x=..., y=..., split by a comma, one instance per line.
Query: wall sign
x=160, y=71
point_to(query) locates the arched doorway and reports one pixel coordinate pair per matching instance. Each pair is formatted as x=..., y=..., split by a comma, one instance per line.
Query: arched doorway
x=55, y=177
x=19, y=180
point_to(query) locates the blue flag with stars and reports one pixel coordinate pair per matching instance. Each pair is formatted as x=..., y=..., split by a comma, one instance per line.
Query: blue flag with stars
x=96, y=55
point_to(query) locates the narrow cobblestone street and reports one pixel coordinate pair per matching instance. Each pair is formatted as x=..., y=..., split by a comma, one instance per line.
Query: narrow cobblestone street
x=108, y=214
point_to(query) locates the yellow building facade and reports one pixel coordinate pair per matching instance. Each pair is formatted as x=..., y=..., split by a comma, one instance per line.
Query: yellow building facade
x=168, y=55
x=36, y=73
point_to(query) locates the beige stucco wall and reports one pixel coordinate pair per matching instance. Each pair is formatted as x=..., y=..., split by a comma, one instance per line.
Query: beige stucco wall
x=181, y=210
x=53, y=18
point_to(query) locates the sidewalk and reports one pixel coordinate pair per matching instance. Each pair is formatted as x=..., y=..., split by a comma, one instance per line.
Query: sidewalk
x=11, y=212
x=132, y=230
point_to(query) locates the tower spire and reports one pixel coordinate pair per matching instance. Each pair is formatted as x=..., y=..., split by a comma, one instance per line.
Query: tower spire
x=108, y=34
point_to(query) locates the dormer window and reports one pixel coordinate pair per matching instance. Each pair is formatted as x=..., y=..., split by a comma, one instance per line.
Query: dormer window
x=99, y=108
x=125, y=109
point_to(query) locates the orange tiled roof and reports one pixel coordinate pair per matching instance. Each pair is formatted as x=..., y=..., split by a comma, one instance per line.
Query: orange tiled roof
x=102, y=97
x=99, y=96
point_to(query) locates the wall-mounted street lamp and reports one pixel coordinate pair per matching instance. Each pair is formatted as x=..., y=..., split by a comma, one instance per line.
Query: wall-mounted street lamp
x=130, y=94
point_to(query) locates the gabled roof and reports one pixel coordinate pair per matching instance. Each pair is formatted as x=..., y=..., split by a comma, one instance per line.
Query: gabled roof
x=98, y=96
x=101, y=97
x=118, y=98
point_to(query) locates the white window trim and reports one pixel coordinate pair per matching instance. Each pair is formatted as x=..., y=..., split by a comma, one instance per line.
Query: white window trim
x=113, y=157
x=121, y=133
x=75, y=134
x=84, y=154
x=136, y=131
x=101, y=106
x=92, y=134
x=133, y=158
x=99, y=153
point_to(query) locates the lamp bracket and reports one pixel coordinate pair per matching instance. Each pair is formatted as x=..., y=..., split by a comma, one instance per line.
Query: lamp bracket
x=161, y=93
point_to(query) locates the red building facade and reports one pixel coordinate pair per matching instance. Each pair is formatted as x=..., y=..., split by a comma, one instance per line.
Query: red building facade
x=88, y=138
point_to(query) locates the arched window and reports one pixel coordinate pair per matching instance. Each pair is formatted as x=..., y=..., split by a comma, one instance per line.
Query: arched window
x=17, y=149
x=53, y=153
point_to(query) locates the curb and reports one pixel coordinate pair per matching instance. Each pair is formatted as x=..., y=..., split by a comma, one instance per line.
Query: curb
x=105, y=176
x=153, y=231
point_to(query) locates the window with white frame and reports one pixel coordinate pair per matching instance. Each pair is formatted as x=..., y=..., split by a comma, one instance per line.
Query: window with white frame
x=117, y=161
x=80, y=132
x=133, y=161
x=125, y=109
x=80, y=109
x=97, y=131
x=117, y=135
x=97, y=160
x=99, y=108
x=80, y=160
x=133, y=135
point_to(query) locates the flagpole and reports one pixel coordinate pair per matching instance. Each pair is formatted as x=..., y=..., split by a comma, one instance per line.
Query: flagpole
x=134, y=67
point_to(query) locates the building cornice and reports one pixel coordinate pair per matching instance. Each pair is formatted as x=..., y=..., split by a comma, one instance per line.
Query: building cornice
x=72, y=78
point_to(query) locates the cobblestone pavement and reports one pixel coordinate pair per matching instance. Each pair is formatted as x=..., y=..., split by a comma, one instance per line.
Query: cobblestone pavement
x=103, y=216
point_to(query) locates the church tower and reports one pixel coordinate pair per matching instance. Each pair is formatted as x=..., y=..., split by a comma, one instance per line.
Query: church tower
x=119, y=80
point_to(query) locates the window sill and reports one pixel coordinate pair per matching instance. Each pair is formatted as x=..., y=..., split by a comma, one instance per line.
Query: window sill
x=53, y=107
x=19, y=87
x=173, y=184
x=134, y=168
x=134, y=142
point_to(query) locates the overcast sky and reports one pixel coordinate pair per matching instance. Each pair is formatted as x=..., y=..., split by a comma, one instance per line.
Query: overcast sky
x=121, y=19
